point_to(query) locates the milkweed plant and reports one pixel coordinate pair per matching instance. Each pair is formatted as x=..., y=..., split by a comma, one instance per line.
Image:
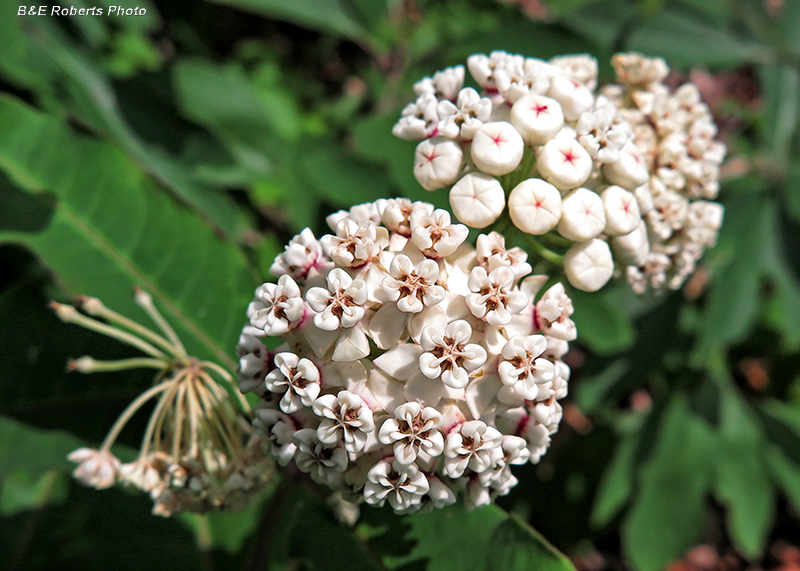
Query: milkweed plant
x=414, y=356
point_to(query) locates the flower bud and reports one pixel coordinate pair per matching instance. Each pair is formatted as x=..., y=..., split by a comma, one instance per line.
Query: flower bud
x=535, y=206
x=497, y=148
x=622, y=211
x=564, y=163
x=582, y=215
x=589, y=265
x=437, y=163
x=537, y=118
x=632, y=248
x=629, y=171
x=573, y=97
x=477, y=200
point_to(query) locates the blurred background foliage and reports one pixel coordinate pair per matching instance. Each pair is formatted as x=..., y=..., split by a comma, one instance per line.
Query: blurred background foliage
x=179, y=150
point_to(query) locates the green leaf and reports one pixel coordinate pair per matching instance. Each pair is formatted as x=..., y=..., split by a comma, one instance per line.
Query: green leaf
x=685, y=41
x=30, y=480
x=616, y=484
x=733, y=301
x=781, y=84
x=331, y=16
x=112, y=230
x=785, y=473
x=247, y=119
x=495, y=539
x=602, y=325
x=94, y=100
x=742, y=482
x=667, y=516
x=341, y=179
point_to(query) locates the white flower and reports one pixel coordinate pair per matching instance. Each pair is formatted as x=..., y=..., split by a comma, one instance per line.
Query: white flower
x=254, y=361
x=345, y=417
x=341, y=305
x=444, y=84
x=520, y=77
x=449, y=355
x=277, y=308
x=497, y=148
x=297, y=378
x=582, y=215
x=434, y=235
x=437, y=163
x=475, y=445
x=492, y=297
x=537, y=118
x=632, y=248
x=482, y=67
x=589, y=265
x=535, y=206
x=355, y=244
x=564, y=163
x=523, y=367
x=143, y=474
x=413, y=287
x=477, y=200
x=462, y=119
x=552, y=314
x=396, y=214
x=299, y=257
x=640, y=71
x=402, y=484
x=413, y=429
x=418, y=120
x=574, y=97
x=491, y=253
x=324, y=463
x=581, y=68
x=96, y=468
x=622, y=211
x=279, y=428
x=602, y=133
x=629, y=171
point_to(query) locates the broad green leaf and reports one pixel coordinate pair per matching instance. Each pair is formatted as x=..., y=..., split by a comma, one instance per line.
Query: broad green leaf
x=618, y=480
x=111, y=230
x=781, y=84
x=603, y=326
x=667, y=515
x=341, y=179
x=785, y=473
x=782, y=423
x=732, y=303
x=601, y=22
x=742, y=482
x=94, y=100
x=31, y=461
x=248, y=120
x=453, y=539
x=331, y=16
x=686, y=41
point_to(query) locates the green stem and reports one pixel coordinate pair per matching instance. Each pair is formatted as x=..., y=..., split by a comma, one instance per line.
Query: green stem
x=545, y=252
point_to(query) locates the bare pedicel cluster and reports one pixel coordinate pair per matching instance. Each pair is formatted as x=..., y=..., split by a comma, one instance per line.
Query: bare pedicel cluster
x=412, y=367
x=574, y=166
x=198, y=453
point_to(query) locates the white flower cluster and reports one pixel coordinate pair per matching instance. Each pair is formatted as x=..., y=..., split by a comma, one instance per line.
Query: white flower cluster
x=538, y=138
x=674, y=133
x=616, y=179
x=413, y=366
